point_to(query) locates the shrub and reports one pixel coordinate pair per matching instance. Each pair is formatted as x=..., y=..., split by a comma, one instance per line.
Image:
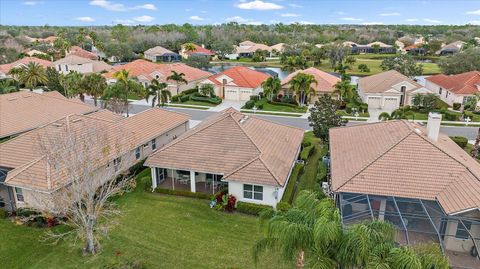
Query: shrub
x=3, y=213
x=184, y=98
x=460, y=141
x=384, y=116
x=212, y=100
x=292, y=181
x=260, y=106
x=251, y=209
x=254, y=97
x=249, y=104
x=450, y=116
x=175, y=98
x=198, y=195
x=363, y=68
x=321, y=172
x=190, y=91
x=283, y=104
x=456, y=106
x=307, y=152
x=283, y=206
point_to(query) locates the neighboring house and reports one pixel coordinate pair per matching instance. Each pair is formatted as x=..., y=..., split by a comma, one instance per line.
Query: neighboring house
x=199, y=51
x=455, y=88
x=237, y=83
x=34, y=52
x=413, y=177
x=48, y=40
x=161, y=54
x=415, y=49
x=374, y=47
x=23, y=111
x=5, y=68
x=388, y=90
x=145, y=71
x=29, y=179
x=76, y=50
x=247, y=49
x=277, y=49
x=81, y=65
x=451, y=48
x=252, y=156
x=325, y=82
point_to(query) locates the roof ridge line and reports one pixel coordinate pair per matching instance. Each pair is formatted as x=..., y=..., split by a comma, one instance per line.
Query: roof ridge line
x=25, y=166
x=243, y=130
x=375, y=159
x=242, y=166
x=269, y=170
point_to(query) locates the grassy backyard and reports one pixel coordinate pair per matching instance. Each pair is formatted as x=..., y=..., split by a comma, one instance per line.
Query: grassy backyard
x=159, y=231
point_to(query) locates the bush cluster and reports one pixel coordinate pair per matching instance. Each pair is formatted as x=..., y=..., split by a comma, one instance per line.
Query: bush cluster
x=456, y=106
x=212, y=100
x=307, y=152
x=198, y=195
x=460, y=141
x=250, y=104
x=292, y=181
x=251, y=208
x=450, y=115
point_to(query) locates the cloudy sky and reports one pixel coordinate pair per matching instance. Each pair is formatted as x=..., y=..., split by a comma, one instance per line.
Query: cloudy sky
x=147, y=12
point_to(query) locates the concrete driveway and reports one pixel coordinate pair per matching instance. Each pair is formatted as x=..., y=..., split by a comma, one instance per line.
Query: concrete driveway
x=226, y=104
x=374, y=113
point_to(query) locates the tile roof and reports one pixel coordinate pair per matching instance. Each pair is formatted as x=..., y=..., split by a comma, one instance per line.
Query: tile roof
x=158, y=50
x=252, y=48
x=242, y=77
x=23, y=111
x=464, y=83
x=200, y=50
x=384, y=81
x=29, y=168
x=242, y=148
x=4, y=68
x=76, y=50
x=146, y=68
x=97, y=66
x=325, y=81
x=396, y=158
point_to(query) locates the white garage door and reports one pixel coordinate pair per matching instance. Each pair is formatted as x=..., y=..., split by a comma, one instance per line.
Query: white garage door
x=390, y=104
x=374, y=102
x=231, y=94
x=245, y=95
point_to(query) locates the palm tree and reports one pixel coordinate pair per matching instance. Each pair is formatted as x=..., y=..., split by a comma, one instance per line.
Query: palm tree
x=72, y=83
x=8, y=85
x=158, y=91
x=344, y=89
x=128, y=86
x=178, y=78
x=207, y=90
x=94, y=85
x=271, y=86
x=301, y=85
x=189, y=47
x=32, y=75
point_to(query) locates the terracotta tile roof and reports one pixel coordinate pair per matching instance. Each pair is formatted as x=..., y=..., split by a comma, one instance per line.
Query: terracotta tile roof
x=146, y=69
x=325, y=81
x=200, y=50
x=24, y=156
x=241, y=76
x=395, y=158
x=242, y=148
x=76, y=50
x=158, y=50
x=384, y=81
x=464, y=83
x=4, y=68
x=252, y=49
x=23, y=111
x=106, y=115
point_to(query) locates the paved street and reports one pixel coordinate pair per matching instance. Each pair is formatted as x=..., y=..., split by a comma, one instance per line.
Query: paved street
x=199, y=115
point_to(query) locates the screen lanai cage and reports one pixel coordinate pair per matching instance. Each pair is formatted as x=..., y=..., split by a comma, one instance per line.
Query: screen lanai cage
x=419, y=221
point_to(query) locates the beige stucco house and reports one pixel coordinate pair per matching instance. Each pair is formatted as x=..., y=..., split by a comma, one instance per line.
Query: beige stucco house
x=455, y=88
x=81, y=65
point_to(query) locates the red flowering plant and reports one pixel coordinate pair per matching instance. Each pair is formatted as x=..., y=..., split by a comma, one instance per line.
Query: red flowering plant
x=230, y=205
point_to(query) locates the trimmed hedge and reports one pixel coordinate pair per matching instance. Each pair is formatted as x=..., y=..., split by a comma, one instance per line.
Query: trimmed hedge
x=184, y=98
x=189, y=91
x=307, y=152
x=249, y=104
x=292, y=181
x=198, y=195
x=282, y=104
x=456, y=106
x=321, y=172
x=283, y=206
x=175, y=98
x=451, y=116
x=212, y=100
x=251, y=208
x=3, y=213
x=460, y=141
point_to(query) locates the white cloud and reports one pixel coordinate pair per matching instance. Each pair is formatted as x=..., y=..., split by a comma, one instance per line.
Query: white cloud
x=259, y=5
x=474, y=22
x=108, y=5
x=431, y=20
x=351, y=19
x=291, y=15
x=203, y=11
x=237, y=19
x=31, y=3
x=84, y=19
x=144, y=18
x=146, y=6
x=389, y=14
x=411, y=20
x=295, y=5
x=196, y=18
x=473, y=12
x=340, y=13
x=373, y=23
x=188, y=9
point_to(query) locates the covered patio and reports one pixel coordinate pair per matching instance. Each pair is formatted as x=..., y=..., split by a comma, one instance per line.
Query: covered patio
x=419, y=222
x=176, y=179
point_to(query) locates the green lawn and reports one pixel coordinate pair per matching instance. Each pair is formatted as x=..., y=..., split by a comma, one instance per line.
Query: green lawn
x=158, y=230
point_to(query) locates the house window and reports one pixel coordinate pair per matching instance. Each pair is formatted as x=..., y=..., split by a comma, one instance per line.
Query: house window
x=116, y=163
x=137, y=153
x=154, y=144
x=440, y=91
x=59, y=68
x=19, y=194
x=403, y=88
x=66, y=68
x=461, y=232
x=253, y=192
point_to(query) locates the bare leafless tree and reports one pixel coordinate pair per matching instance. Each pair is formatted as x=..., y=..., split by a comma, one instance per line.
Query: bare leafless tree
x=84, y=161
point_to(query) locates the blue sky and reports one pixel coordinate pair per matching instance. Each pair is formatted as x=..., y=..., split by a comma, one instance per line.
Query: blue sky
x=109, y=12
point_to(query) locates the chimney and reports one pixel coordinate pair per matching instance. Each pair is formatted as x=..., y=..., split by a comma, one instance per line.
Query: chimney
x=433, y=125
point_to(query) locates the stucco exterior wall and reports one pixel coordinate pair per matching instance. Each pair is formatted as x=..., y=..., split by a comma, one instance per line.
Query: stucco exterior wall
x=80, y=68
x=271, y=195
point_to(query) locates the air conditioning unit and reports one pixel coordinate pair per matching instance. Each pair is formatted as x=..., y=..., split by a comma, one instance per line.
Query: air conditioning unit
x=326, y=188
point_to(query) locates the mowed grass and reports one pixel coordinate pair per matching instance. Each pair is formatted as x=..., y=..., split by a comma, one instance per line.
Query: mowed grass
x=159, y=231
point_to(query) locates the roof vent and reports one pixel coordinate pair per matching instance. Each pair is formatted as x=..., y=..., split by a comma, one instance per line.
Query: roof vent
x=26, y=96
x=57, y=124
x=244, y=119
x=76, y=120
x=12, y=99
x=417, y=131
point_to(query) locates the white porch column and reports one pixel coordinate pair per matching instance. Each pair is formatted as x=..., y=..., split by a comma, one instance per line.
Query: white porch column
x=154, y=178
x=192, y=181
x=381, y=213
x=173, y=180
